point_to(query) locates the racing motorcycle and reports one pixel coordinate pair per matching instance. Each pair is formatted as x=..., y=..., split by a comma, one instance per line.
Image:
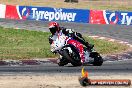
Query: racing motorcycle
x=70, y=54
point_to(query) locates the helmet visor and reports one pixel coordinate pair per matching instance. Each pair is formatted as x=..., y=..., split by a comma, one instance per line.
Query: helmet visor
x=52, y=30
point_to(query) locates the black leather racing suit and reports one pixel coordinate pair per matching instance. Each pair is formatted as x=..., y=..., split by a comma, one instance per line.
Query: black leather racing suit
x=77, y=36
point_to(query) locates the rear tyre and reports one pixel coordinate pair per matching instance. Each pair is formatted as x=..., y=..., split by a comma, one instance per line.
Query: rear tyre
x=98, y=61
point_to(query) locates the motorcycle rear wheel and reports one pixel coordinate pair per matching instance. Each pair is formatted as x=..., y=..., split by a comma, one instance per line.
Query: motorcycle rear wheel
x=98, y=61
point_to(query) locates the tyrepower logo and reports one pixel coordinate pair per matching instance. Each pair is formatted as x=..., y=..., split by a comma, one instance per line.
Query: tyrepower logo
x=47, y=14
x=25, y=13
x=124, y=18
x=57, y=15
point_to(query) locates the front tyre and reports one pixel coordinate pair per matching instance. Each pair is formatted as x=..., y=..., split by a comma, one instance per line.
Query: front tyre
x=73, y=58
x=62, y=61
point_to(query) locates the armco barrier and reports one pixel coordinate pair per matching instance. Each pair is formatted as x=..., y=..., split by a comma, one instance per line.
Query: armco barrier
x=109, y=17
x=65, y=15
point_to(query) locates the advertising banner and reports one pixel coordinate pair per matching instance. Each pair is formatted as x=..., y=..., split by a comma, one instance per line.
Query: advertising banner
x=65, y=15
x=109, y=17
x=96, y=17
x=11, y=12
x=118, y=17
x=2, y=11
x=53, y=14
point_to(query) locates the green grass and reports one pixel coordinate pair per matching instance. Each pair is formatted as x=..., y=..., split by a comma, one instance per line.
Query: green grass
x=25, y=44
x=105, y=47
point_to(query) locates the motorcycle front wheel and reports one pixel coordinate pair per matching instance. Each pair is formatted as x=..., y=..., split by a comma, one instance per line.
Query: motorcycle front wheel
x=62, y=61
x=73, y=58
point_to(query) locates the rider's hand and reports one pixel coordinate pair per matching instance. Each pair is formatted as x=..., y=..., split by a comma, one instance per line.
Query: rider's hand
x=54, y=52
x=50, y=40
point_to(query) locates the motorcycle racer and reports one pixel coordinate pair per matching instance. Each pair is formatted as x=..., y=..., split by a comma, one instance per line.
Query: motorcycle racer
x=56, y=31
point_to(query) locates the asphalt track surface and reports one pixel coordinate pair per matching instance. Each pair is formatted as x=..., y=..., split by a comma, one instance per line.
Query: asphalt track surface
x=112, y=31
x=121, y=32
x=116, y=67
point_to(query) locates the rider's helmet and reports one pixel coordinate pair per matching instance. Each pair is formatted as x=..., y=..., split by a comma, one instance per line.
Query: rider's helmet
x=53, y=27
